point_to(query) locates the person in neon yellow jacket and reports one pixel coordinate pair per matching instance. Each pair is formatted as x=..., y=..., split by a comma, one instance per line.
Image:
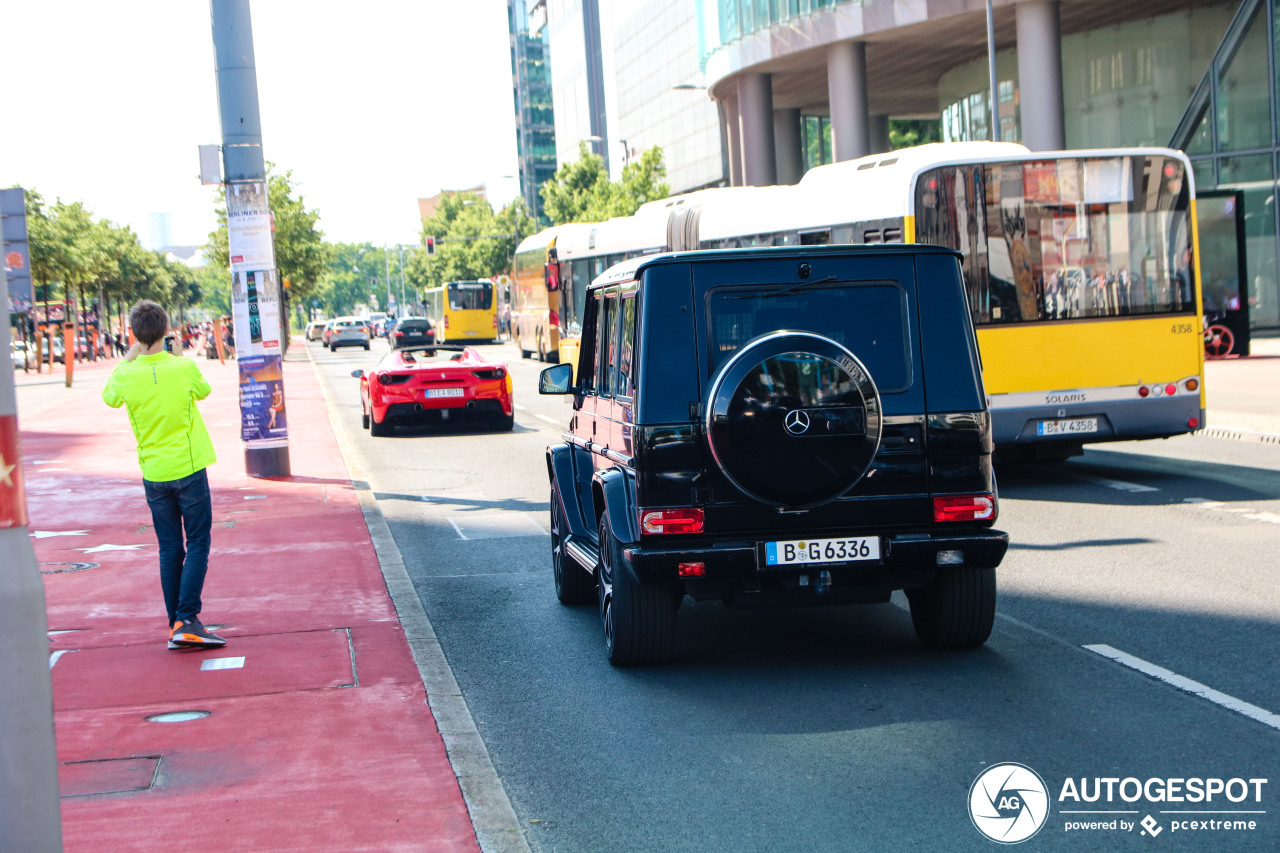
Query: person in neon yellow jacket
x=160, y=389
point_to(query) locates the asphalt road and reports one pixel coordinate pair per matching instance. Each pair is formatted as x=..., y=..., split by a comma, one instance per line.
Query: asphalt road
x=831, y=729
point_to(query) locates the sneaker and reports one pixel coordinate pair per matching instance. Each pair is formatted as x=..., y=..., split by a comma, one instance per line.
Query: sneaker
x=193, y=635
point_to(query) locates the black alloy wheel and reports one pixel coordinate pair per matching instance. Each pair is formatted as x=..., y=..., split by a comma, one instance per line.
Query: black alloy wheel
x=956, y=609
x=574, y=585
x=639, y=619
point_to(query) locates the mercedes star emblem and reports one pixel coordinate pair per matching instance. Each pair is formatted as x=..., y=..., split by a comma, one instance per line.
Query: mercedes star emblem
x=796, y=422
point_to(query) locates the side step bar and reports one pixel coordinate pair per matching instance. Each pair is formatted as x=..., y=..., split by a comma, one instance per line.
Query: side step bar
x=584, y=553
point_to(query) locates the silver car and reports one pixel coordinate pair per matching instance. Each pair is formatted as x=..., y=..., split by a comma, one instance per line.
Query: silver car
x=349, y=331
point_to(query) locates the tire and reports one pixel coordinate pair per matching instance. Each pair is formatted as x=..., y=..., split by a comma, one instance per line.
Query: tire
x=364, y=419
x=956, y=609
x=505, y=423
x=639, y=619
x=378, y=429
x=366, y=347
x=524, y=353
x=574, y=584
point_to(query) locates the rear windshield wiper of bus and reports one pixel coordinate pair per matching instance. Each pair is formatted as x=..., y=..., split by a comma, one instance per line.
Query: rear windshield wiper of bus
x=786, y=291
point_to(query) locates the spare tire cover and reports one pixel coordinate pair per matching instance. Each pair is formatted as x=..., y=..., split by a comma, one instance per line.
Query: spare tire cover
x=794, y=419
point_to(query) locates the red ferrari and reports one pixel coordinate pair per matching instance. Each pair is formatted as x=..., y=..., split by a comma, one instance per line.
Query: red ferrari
x=438, y=384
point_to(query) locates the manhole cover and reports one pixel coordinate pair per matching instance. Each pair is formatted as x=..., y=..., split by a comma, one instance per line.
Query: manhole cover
x=67, y=567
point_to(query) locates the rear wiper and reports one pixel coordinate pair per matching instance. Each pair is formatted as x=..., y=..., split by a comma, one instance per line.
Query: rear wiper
x=786, y=291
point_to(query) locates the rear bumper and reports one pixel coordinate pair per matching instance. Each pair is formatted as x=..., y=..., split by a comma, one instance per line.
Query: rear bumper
x=907, y=560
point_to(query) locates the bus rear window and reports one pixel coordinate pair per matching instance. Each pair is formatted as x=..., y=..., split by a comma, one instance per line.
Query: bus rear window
x=1065, y=239
x=870, y=319
x=470, y=295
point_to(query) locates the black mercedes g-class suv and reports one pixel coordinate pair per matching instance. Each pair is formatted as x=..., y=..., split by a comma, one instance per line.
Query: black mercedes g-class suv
x=801, y=424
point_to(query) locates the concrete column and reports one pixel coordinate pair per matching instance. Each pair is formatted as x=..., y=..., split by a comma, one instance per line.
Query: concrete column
x=847, y=93
x=755, y=116
x=878, y=130
x=733, y=137
x=788, y=145
x=1040, y=75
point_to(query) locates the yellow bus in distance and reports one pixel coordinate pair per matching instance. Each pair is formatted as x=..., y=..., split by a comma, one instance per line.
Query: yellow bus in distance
x=462, y=311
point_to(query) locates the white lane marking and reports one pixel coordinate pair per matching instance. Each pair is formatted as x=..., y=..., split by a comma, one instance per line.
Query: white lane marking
x=1195, y=688
x=221, y=663
x=53, y=658
x=457, y=529
x=519, y=407
x=1243, y=512
x=45, y=534
x=549, y=420
x=1270, y=517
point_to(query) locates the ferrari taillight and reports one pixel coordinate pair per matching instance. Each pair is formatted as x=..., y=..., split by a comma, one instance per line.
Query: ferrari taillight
x=490, y=373
x=393, y=378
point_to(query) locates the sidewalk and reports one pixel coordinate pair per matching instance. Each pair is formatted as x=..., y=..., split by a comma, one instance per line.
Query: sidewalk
x=318, y=735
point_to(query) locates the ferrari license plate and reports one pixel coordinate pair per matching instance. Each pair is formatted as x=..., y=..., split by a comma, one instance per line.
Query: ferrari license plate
x=432, y=393
x=1071, y=427
x=822, y=551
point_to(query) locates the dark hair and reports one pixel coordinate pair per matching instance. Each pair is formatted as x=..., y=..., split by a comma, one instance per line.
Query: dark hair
x=148, y=321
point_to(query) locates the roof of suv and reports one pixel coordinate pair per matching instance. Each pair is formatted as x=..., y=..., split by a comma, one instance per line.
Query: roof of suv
x=630, y=269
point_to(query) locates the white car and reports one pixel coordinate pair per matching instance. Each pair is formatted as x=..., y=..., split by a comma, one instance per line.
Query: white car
x=316, y=330
x=349, y=331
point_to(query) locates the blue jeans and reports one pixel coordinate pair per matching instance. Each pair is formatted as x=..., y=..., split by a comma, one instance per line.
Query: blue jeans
x=178, y=505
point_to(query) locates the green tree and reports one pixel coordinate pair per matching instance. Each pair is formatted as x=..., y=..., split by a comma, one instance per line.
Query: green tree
x=471, y=240
x=299, y=245
x=904, y=133
x=582, y=192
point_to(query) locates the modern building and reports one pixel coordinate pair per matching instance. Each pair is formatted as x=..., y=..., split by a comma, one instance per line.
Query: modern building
x=531, y=86
x=1199, y=75
x=774, y=87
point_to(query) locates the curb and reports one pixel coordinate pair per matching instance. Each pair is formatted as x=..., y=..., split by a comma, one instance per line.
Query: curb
x=496, y=826
x=1239, y=434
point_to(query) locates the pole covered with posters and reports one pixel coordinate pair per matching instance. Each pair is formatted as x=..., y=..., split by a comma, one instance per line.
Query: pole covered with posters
x=255, y=284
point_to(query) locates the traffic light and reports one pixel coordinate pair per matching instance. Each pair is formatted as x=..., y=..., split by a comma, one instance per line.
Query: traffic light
x=431, y=246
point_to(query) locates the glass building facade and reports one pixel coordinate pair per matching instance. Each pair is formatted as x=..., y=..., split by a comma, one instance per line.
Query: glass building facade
x=1230, y=131
x=654, y=49
x=535, y=117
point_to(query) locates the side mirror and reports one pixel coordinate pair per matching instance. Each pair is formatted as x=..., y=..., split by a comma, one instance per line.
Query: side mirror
x=556, y=380
x=357, y=374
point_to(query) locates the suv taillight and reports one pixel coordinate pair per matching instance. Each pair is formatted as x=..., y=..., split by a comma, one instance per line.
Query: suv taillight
x=671, y=520
x=964, y=508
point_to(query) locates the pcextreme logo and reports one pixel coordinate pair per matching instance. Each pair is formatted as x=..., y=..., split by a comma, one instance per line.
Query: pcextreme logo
x=1008, y=803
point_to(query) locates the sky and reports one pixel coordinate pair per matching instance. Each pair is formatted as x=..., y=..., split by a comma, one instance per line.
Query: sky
x=372, y=104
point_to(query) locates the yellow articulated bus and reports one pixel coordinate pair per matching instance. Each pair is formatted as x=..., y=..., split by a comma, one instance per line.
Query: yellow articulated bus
x=462, y=311
x=1081, y=266
x=554, y=267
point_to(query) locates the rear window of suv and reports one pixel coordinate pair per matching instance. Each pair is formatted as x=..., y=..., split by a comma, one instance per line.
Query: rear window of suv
x=868, y=318
x=415, y=326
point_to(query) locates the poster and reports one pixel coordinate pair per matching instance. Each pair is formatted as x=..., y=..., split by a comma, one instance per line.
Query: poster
x=255, y=312
x=249, y=227
x=263, y=416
